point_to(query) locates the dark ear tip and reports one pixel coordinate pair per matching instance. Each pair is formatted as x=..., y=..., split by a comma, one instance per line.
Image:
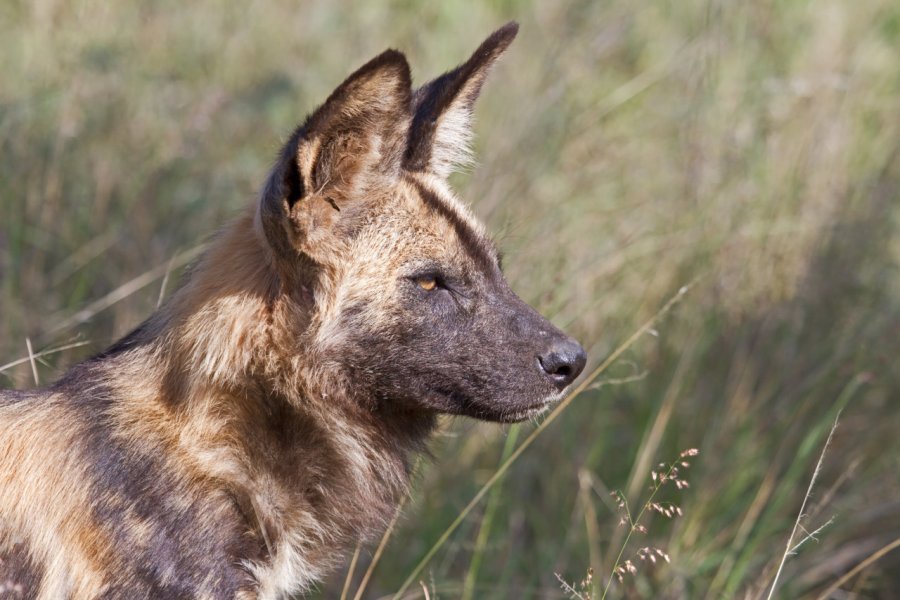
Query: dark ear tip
x=389, y=59
x=504, y=36
x=391, y=56
x=496, y=43
x=509, y=30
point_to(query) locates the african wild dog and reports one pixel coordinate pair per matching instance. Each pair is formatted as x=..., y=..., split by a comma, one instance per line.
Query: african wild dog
x=264, y=419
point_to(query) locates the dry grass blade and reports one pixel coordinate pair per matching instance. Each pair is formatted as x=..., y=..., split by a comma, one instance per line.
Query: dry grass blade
x=165, y=282
x=812, y=482
x=812, y=535
x=349, y=578
x=125, y=290
x=858, y=568
x=378, y=551
x=34, y=371
x=487, y=519
x=46, y=352
x=501, y=470
x=78, y=259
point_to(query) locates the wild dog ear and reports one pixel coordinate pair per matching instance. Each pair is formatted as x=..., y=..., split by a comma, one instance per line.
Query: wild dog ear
x=441, y=130
x=342, y=151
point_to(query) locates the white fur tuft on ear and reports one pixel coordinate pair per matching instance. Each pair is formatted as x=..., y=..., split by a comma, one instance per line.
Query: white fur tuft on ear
x=452, y=146
x=440, y=135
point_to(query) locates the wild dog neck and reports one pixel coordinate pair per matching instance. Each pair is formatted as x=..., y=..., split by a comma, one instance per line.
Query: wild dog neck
x=249, y=405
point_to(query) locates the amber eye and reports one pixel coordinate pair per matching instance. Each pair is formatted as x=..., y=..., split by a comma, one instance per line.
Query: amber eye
x=427, y=283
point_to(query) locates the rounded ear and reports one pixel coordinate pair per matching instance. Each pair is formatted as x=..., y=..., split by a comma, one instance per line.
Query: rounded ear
x=441, y=129
x=348, y=146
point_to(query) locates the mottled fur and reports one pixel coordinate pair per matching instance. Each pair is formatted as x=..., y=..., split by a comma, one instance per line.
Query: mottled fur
x=263, y=420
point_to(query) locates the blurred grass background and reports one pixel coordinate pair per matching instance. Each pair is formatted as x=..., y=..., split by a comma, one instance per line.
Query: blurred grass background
x=625, y=148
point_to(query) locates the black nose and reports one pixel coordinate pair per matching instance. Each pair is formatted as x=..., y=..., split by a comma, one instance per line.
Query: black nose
x=563, y=361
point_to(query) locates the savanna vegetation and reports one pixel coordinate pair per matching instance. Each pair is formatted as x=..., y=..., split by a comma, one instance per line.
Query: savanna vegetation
x=747, y=152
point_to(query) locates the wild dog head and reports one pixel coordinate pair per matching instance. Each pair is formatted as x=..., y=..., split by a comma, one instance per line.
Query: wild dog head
x=408, y=301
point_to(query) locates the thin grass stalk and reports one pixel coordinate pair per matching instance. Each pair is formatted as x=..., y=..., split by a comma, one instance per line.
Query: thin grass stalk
x=590, y=519
x=46, y=352
x=632, y=527
x=486, y=522
x=650, y=443
x=123, y=291
x=34, y=371
x=778, y=495
x=378, y=551
x=855, y=570
x=812, y=482
x=349, y=578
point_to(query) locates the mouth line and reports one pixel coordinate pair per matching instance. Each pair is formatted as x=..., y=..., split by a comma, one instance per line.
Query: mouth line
x=538, y=408
x=512, y=414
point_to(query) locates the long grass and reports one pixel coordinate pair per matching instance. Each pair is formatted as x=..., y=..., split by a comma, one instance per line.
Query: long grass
x=625, y=147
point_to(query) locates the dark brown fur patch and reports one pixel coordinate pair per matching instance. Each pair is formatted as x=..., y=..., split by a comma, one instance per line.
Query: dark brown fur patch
x=480, y=248
x=20, y=577
x=144, y=519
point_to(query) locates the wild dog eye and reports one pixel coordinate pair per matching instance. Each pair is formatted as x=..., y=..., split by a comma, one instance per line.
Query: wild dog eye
x=426, y=282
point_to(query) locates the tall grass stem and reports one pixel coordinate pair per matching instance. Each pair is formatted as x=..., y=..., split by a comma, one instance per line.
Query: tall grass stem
x=812, y=482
